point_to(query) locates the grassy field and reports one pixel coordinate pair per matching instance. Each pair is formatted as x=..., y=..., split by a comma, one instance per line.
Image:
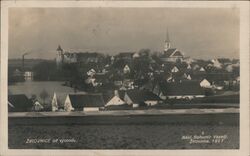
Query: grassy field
x=124, y=132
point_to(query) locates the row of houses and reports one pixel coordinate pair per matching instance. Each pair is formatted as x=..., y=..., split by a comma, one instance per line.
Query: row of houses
x=85, y=101
x=132, y=98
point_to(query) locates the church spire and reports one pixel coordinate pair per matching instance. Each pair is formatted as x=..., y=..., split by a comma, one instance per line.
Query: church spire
x=167, y=37
x=167, y=42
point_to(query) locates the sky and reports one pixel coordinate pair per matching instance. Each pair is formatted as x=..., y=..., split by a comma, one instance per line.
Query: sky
x=198, y=32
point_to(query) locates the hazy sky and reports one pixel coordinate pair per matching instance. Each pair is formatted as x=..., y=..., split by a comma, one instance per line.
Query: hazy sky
x=198, y=33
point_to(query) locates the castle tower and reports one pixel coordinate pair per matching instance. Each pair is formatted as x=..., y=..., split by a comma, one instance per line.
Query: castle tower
x=167, y=42
x=59, y=56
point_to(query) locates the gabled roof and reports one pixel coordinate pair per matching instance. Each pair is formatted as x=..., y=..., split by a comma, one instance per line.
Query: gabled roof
x=169, y=52
x=182, y=88
x=177, y=53
x=20, y=102
x=86, y=100
x=172, y=52
x=60, y=97
x=142, y=95
x=115, y=101
x=121, y=94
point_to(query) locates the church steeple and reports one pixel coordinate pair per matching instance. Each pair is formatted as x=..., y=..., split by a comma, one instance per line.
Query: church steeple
x=167, y=42
x=59, y=48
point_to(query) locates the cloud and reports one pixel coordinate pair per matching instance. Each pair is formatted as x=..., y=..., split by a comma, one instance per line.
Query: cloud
x=200, y=33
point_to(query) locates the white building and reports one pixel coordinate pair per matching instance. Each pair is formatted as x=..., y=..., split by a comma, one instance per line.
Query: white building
x=216, y=63
x=28, y=75
x=202, y=69
x=175, y=69
x=205, y=83
x=126, y=69
x=115, y=101
x=91, y=72
x=54, y=103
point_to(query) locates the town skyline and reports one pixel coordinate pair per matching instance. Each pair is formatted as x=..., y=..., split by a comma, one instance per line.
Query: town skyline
x=111, y=31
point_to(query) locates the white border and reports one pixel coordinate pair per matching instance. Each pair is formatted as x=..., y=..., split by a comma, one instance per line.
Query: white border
x=244, y=74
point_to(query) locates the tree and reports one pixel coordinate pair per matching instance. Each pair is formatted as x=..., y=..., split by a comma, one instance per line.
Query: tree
x=33, y=98
x=44, y=95
x=144, y=52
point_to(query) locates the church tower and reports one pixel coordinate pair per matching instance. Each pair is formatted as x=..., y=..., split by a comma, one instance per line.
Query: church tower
x=59, y=56
x=167, y=42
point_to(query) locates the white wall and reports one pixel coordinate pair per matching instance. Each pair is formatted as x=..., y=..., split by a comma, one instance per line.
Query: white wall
x=67, y=104
x=89, y=109
x=151, y=103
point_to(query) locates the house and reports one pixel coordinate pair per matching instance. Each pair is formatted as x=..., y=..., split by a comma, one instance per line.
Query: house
x=136, y=55
x=205, y=84
x=58, y=100
x=37, y=106
x=118, y=83
x=184, y=76
x=174, y=69
x=91, y=72
x=196, y=66
x=115, y=101
x=101, y=78
x=28, y=75
x=180, y=90
x=19, y=103
x=189, y=77
x=70, y=57
x=189, y=67
x=202, y=69
x=216, y=63
x=128, y=83
x=54, y=103
x=188, y=60
x=138, y=98
x=229, y=68
x=126, y=69
x=84, y=102
x=236, y=81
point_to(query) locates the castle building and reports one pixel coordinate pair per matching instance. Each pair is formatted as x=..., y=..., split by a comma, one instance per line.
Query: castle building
x=64, y=57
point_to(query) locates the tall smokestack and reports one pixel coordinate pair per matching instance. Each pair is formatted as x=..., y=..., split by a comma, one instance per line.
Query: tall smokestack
x=23, y=60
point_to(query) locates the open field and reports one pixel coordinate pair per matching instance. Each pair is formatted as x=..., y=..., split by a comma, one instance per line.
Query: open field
x=124, y=132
